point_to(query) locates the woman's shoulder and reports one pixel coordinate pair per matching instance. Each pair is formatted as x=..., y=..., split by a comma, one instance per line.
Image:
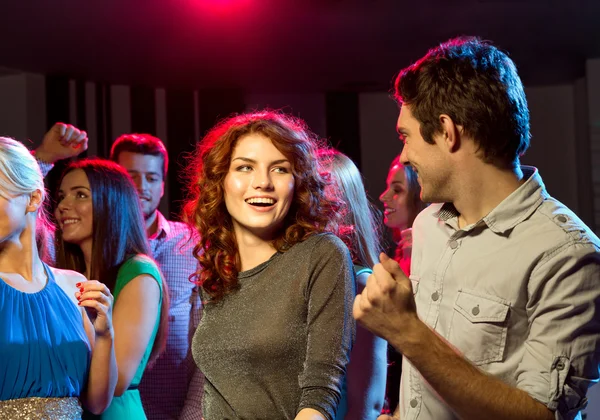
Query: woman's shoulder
x=322, y=247
x=140, y=260
x=134, y=266
x=324, y=241
x=67, y=280
x=137, y=265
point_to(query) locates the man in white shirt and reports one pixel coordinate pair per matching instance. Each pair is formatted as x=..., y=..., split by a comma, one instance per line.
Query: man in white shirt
x=501, y=316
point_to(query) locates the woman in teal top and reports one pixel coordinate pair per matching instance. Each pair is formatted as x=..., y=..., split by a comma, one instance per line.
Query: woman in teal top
x=52, y=358
x=101, y=234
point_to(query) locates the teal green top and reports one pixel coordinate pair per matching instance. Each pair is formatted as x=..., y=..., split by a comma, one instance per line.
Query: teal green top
x=129, y=405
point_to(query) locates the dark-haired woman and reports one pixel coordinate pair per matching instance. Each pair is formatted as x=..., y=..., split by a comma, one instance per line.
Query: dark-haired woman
x=101, y=235
x=402, y=203
x=276, y=331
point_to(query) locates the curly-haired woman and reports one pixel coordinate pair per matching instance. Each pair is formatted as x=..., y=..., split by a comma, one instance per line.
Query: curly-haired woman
x=277, y=329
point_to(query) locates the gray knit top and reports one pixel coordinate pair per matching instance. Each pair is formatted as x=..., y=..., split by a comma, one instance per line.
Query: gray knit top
x=281, y=342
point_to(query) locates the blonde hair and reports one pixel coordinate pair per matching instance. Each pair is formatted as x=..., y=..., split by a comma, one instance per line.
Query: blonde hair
x=19, y=171
x=360, y=228
x=20, y=174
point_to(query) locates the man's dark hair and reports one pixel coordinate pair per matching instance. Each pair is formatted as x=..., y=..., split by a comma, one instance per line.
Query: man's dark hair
x=477, y=85
x=144, y=144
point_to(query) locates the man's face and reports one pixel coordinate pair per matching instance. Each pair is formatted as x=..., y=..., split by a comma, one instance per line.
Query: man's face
x=429, y=161
x=147, y=174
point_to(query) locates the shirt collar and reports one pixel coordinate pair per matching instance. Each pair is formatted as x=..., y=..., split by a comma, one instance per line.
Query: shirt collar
x=162, y=226
x=515, y=208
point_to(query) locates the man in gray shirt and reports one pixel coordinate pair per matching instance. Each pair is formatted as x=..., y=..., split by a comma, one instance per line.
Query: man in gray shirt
x=500, y=318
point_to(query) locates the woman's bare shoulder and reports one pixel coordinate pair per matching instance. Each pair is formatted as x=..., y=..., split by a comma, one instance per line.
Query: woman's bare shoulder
x=67, y=280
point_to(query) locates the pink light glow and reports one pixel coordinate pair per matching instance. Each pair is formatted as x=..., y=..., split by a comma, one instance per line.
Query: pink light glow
x=224, y=5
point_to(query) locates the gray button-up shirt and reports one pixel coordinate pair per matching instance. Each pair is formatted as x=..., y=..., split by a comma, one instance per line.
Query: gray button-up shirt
x=517, y=293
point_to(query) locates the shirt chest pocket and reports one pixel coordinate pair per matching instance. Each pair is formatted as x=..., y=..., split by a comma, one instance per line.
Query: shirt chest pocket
x=479, y=326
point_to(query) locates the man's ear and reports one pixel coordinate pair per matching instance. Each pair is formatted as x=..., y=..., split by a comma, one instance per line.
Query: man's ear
x=35, y=201
x=451, y=133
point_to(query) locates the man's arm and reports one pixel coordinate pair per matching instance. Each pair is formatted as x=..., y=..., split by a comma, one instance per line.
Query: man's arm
x=192, y=408
x=62, y=141
x=387, y=308
x=471, y=393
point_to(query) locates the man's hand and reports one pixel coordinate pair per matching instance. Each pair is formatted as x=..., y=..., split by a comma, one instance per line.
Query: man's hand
x=62, y=141
x=387, y=306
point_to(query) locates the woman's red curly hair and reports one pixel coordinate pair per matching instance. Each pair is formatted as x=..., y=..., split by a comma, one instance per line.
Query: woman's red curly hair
x=310, y=212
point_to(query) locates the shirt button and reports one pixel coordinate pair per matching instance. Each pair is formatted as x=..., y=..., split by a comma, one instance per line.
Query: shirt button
x=560, y=365
x=475, y=310
x=453, y=244
x=414, y=402
x=562, y=218
x=435, y=296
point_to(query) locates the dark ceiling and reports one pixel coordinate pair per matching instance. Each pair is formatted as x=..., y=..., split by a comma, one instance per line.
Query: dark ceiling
x=285, y=45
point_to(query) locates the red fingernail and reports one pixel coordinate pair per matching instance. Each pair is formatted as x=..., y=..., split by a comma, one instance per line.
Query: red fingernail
x=81, y=289
x=77, y=284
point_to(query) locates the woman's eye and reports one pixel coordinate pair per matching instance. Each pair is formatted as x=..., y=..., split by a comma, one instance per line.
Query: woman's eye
x=243, y=168
x=281, y=170
x=81, y=195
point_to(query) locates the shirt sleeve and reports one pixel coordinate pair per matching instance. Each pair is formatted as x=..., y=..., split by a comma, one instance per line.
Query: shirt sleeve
x=136, y=266
x=329, y=295
x=45, y=167
x=561, y=355
x=192, y=408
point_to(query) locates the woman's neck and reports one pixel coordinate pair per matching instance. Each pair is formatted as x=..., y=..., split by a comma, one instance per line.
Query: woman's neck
x=19, y=255
x=253, y=251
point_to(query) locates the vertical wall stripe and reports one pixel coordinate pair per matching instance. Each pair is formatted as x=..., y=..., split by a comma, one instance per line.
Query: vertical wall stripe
x=160, y=112
x=103, y=119
x=143, y=110
x=78, y=106
x=90, y=118
x=73, y=102
x=583, y=161
x=342, y=123
x=181, y=139
x=57, y=100
x=120, y=110
x=216, y=104
x=57, y=105
x=379, y=140
x=13, y=106
x=593, y=98
x=81, y=104
x=36, y=107
x=196, y=115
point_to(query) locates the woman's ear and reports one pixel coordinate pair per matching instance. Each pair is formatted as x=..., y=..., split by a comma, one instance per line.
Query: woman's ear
x=35, y=201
